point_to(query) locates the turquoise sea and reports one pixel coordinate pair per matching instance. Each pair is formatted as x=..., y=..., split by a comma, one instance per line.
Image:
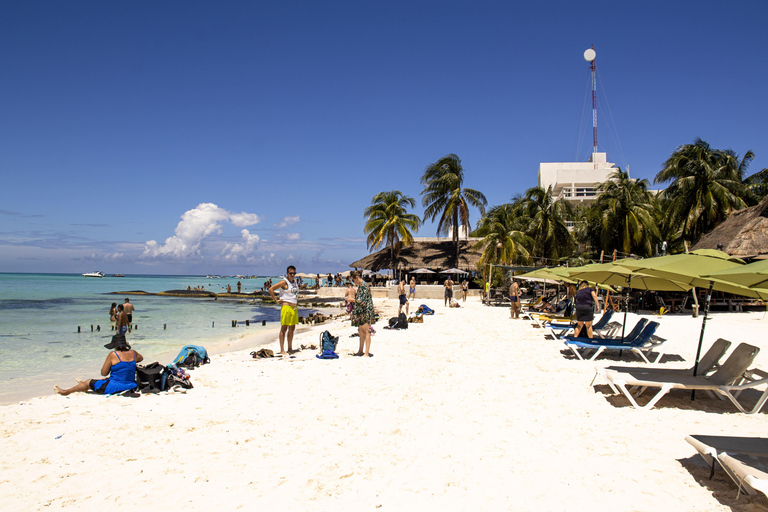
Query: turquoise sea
x=40, y=315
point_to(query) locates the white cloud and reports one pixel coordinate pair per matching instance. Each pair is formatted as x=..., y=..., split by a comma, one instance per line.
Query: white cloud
x=195, y=226
x=287, y=221
x=241, y=251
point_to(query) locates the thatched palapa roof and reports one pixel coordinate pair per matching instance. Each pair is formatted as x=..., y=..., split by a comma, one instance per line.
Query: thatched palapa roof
x=744, y=234
x=434, y=255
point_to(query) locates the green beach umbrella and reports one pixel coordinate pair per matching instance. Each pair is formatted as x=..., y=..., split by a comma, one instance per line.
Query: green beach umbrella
x=690, y=268
x=617, y=275
x=753, y=275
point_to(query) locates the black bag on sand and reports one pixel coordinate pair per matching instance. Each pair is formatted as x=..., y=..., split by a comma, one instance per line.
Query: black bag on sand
x=402, y=321
x=152, y=378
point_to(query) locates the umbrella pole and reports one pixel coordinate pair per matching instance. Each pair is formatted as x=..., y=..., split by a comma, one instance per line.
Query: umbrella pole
x=701, y=336
x=626, y=307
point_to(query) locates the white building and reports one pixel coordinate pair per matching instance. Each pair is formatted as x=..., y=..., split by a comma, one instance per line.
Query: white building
x=576, y=182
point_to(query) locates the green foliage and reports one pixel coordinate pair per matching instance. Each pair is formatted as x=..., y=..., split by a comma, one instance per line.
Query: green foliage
x=389, y=223
x=546, y=224
x=503, y=243
x=706, y=186
x=445, y=199
x=624, y=212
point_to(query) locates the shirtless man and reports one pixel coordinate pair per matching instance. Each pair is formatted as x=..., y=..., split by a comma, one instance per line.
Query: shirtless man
x=128, y=309
x=412, y=289
x=514, y=300
x=448, y=291
x=122, y=320
x=403, y=297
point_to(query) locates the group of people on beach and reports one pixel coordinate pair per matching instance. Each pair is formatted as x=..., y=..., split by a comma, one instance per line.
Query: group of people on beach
x=121, y=317
x=360, y=307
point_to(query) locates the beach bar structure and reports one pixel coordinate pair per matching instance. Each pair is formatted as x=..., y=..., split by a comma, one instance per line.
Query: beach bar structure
x=432, y=253
x=436, y=254
x=744, y=234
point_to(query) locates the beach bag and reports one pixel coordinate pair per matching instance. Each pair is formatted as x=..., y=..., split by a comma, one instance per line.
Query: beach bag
x=426, y=310
x=192, y=356
x=402, y=321
x=328, y=342
x=152, y=378
x=177, y=377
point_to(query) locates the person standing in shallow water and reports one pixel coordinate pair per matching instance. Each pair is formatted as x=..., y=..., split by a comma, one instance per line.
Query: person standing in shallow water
x=113, y=316
x=289, y=312
x=128, y=309
x=363, y=314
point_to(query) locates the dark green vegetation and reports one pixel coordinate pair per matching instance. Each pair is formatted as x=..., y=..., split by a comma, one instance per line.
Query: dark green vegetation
x=703, y=187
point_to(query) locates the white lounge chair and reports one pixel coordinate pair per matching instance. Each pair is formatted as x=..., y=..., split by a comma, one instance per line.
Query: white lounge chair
x=728, y=380
x=708, y=363
x=744, y=459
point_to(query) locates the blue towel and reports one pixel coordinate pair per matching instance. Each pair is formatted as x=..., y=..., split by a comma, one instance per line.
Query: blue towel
x=327, y=354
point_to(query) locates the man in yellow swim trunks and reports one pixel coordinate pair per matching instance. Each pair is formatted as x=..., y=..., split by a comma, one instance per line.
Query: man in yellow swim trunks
x=289, y=313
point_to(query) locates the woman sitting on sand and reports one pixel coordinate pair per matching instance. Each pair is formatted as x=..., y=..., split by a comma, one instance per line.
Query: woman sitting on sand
x=121, y=364
x=362, y=313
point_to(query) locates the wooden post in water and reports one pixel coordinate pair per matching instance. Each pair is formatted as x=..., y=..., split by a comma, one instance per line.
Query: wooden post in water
x=78, y=329
x=234, y=323
x=264, y=322
x=165, y=326
x=213, y=324
x=98, y=328
x=91, y=327
x=247, y=323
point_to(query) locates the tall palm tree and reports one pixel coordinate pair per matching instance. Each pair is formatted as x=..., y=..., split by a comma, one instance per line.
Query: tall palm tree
x=445, y=198
x=758, y=185
x=502, y=243
x=547, y=226
x=706, y=186
x=389, y=224
x=625, y=210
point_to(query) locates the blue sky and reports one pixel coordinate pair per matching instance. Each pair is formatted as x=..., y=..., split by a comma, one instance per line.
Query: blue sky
x=237, y=137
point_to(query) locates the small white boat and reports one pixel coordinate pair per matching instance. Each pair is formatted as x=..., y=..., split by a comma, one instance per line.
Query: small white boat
x=98, y=273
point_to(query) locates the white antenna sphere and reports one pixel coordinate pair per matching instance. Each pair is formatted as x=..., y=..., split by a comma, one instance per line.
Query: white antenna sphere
x=590, y=55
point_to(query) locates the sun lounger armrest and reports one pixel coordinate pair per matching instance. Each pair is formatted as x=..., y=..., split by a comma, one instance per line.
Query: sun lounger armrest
x=749, y=381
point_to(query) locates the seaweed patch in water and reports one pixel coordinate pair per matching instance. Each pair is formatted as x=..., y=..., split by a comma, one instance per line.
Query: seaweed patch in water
x=37, y=304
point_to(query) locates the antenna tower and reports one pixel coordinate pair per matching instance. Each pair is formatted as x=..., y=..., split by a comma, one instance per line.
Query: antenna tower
x=590, y=56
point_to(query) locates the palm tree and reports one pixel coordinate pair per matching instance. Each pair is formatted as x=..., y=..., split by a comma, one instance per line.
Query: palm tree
x=444, y=197
x=389, y=224
x=502, y=242
x=758, y=184
x=625, y=210
x=547, y=223
x=706, y=186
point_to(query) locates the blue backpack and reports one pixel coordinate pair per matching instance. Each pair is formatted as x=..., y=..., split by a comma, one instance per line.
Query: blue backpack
x=426, y=310
x=192, y=356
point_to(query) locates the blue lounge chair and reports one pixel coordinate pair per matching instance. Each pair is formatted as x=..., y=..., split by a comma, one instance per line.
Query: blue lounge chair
x=641, y=344
x=559, y=329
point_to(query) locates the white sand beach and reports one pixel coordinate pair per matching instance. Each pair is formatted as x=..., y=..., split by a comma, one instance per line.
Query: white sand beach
x=468, y=411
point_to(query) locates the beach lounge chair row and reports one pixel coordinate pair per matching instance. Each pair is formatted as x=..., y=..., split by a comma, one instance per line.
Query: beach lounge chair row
x=729, y=380
x=558, y=329
x=641, y=341
x=744, y=459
